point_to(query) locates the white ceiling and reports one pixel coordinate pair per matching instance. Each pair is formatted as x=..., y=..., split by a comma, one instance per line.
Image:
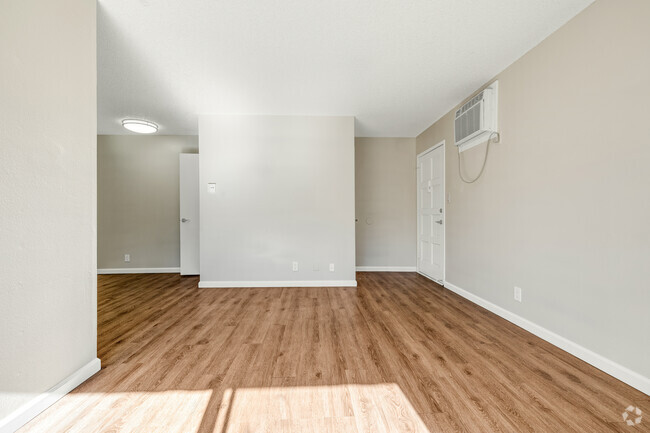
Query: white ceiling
x=396, y=65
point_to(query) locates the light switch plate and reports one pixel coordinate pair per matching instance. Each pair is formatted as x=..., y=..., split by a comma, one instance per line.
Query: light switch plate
x=212, y=188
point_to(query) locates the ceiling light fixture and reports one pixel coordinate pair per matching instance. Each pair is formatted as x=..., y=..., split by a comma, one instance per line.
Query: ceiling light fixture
x=140, y=126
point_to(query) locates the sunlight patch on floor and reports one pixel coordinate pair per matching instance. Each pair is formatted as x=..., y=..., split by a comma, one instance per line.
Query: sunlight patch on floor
x=151, y=412
x=345, y=408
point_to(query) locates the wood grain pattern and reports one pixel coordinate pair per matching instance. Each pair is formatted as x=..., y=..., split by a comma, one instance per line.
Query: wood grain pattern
x=397, y=354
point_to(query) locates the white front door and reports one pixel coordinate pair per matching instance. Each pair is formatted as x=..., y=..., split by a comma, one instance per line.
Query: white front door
x=189, y=201
x=431, y=199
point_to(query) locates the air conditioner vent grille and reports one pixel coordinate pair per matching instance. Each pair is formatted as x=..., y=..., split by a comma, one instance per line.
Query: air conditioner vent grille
x=469, y=122
x=469, y=104
x=476, y=118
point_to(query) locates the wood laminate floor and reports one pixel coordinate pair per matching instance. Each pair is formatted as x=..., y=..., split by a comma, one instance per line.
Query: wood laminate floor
x=397, y=354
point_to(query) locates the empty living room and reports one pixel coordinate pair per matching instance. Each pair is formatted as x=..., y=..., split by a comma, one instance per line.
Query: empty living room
x=260, y=216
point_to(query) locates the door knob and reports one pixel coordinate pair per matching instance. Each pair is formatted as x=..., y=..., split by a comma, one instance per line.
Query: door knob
x=439, y=222
x=185, y=220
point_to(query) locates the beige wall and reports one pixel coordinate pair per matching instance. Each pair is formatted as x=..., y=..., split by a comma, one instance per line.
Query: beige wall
x=48, y=115
x=385, y=194
x=138, y=206
x=563, y=209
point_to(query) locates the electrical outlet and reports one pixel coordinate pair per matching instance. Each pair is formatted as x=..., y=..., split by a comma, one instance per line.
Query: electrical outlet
x=294, y=266
x=127, y=258
x=518, y=294
x=331, y=267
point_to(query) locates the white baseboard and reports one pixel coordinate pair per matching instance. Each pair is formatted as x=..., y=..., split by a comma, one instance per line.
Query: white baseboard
x=318, y=283
x=139, y=271
x=38, y=404
x=610, y=367
x=386, y=269
x=431, y=278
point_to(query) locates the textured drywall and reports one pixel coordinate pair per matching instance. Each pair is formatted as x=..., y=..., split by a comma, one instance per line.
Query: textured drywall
x=284, y=193
x=48, y=282
x=385, y=195
x=562, y=210
x=138, y=199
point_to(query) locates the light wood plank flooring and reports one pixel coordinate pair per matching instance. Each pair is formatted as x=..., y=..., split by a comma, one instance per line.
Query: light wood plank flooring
x=397, y=354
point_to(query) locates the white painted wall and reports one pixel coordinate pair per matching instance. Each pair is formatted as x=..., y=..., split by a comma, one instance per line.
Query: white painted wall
x=284, y=193
x=385, y=182
x=48, y=112
x=563, y=207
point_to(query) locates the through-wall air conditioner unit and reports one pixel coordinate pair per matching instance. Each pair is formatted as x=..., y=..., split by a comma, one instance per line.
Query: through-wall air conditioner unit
x=476, y=120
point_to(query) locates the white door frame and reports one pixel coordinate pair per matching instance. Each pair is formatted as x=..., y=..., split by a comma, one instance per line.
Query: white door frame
x=444, y=211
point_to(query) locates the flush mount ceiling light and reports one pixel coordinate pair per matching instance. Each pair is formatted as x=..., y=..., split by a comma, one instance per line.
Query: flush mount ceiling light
x=140, y=126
